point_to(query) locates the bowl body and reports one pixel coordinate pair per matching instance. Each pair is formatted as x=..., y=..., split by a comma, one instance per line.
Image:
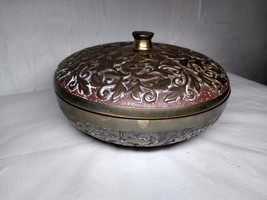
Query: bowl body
x=140, y=132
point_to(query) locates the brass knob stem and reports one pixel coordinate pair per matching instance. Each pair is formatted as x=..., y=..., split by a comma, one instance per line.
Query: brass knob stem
x=142, y=40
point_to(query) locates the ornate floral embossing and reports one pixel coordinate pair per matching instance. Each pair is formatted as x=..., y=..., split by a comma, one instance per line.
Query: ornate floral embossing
x=114, y=73
x=138, y=139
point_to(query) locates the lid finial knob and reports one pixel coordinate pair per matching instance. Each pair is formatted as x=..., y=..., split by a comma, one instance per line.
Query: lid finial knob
x=142, y=40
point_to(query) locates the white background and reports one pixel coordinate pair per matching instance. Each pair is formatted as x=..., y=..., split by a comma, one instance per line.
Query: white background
x=36, y=35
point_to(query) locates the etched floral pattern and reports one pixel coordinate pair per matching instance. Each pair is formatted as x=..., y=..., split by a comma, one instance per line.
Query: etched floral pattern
x=115, y=73
x=139, y=139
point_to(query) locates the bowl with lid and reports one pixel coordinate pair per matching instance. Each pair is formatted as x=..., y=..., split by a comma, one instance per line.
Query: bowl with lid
x=141, y=93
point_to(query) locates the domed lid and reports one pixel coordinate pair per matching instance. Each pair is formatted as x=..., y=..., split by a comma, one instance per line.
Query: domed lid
x=141, y=80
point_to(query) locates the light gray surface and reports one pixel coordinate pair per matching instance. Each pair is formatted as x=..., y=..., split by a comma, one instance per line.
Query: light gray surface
x=36, y=35
x=43, y=157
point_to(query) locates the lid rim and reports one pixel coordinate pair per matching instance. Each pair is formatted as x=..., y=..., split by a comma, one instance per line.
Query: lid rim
x=140, y=113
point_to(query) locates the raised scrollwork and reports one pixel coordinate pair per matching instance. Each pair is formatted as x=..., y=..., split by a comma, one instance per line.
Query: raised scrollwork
x=138, y=139
x=117, y=74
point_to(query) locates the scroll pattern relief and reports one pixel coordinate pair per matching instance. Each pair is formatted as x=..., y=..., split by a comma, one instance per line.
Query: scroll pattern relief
x=139, y=139
x=112, y=72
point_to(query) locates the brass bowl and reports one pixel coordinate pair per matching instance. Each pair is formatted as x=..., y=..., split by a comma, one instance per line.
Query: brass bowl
x=141, y=93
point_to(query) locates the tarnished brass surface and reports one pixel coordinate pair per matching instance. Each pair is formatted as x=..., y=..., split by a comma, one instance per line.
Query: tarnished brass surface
x=166, y=81
x=141, y=93
x=141, y=113
x=140, y=132
x=142, y=40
